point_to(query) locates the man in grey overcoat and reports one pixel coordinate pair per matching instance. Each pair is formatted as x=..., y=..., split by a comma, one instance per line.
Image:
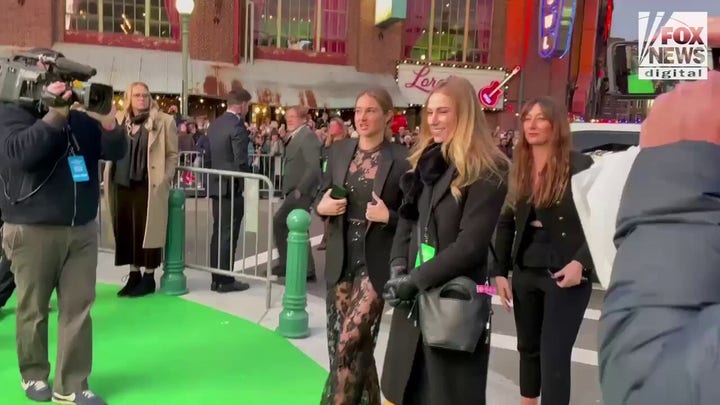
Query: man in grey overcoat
x=301, y=179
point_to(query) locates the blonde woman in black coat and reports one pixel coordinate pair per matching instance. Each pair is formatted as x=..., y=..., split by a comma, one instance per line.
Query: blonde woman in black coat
x=457, y=187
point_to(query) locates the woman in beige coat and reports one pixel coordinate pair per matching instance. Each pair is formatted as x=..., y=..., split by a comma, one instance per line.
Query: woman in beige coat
x=138, y=187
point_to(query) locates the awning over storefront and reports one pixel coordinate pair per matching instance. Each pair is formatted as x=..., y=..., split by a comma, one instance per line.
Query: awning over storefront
x=275, y=83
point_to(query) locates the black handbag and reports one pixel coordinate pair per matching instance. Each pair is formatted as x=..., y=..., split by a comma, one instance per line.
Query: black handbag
x=454, y=316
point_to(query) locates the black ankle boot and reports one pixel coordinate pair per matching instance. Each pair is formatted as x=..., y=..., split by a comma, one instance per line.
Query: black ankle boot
x=145, y=287
x=132, y=282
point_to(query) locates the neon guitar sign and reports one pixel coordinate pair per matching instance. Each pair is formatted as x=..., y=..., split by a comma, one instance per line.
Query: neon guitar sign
x=557, y=18
x=415, y=81
x=490, y=94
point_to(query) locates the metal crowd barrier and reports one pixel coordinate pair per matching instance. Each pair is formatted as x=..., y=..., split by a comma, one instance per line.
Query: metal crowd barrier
x=254, y=241
x=253, y=257
x=270, y=166
x=191, y=159
x=188, y=180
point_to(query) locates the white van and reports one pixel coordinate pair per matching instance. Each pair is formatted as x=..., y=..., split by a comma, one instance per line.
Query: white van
x=598, y=138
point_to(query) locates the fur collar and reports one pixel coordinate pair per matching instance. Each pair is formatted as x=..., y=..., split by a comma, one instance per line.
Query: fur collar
x=431, y=166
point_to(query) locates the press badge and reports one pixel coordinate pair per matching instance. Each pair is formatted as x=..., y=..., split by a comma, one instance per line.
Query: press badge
x=78, y=169
x=426, y=253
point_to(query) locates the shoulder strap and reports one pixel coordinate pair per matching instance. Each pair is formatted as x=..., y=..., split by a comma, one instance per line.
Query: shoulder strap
x=423, y=224
x=421, y=229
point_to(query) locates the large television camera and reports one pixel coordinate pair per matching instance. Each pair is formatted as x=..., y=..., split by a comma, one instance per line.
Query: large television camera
x=24, y=76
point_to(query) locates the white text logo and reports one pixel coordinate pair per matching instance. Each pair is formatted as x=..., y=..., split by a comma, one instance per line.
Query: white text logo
x=672, y=46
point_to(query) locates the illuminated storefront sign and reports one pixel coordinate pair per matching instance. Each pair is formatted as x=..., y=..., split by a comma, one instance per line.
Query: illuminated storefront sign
x=557, y=18
x=416, y=80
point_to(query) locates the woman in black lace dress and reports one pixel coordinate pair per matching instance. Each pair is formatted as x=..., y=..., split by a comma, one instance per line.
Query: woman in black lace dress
x=361, y=215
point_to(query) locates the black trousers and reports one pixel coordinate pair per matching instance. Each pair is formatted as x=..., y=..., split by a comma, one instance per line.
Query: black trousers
x=280, y=229
x=547, y=319
x=227, y=218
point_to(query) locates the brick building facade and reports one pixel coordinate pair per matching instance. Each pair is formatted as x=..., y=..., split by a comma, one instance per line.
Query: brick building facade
x=366, y=54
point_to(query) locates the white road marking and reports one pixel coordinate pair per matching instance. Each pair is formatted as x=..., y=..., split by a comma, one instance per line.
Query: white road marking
x=497, y=340
x=582, y=356
x=262, y=257
x=507, y=342
x=591, y=314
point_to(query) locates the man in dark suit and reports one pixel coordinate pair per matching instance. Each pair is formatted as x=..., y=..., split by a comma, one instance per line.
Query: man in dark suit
x=229, y=140
x=301, y=178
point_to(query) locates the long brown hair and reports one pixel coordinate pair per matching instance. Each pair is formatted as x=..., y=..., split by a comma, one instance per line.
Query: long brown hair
x=471, y=147
x=384, y=99
x=554, y=177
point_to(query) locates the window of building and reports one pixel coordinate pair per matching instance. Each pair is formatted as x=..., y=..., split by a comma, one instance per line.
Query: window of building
x=304, y=25
x=448, y=30
x=148, y=18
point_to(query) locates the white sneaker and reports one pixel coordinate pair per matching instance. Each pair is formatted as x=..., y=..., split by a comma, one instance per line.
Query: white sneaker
x=78, y=398
x=38, y=391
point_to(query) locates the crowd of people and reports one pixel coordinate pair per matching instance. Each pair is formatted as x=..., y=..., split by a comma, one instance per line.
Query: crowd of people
x=370, y=184
x=411, y=219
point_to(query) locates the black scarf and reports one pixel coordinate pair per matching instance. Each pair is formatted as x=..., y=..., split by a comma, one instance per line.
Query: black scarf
x=135, y=120
x=431, y=166
x=140, y=118
x=133, y=166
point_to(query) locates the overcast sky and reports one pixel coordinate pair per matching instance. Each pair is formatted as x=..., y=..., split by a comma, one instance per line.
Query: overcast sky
x=625, y=16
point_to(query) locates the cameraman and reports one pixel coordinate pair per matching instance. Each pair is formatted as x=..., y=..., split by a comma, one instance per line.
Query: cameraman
x=49, y=176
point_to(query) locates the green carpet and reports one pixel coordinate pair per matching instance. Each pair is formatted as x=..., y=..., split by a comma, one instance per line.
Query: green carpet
x=165, y=350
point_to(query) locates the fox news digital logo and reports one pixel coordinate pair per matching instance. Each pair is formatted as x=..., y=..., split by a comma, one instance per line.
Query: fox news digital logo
x=672, y=46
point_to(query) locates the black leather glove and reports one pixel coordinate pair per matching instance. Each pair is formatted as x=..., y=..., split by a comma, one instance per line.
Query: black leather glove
x=399, y=290
x=390, y=290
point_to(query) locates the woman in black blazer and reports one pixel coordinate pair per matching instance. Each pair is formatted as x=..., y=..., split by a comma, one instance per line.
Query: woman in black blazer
x=540, y=238
x=336, y=132
x=457, y=187
x=360, y=231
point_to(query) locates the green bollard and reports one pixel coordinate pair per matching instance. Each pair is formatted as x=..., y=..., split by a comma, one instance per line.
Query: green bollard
x=173, y=280
x=294, y=318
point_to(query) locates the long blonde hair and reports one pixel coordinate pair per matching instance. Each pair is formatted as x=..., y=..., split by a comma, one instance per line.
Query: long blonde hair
x=127, y=99
x=555, y=176
x=471, y=147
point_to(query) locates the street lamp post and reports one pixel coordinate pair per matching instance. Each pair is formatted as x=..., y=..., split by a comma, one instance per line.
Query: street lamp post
x=185, y=8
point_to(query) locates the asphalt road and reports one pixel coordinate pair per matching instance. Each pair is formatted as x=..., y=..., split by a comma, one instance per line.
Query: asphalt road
x=504, y=357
